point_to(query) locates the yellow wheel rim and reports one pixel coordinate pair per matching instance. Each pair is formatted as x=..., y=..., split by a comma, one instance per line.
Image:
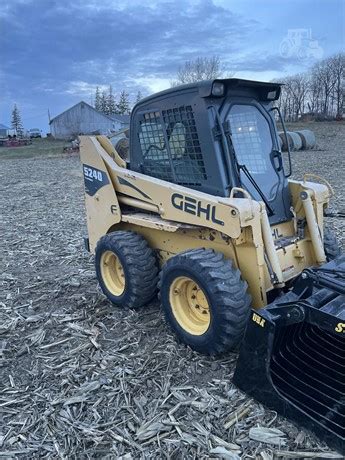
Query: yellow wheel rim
x=112, y=273
x=189, y=305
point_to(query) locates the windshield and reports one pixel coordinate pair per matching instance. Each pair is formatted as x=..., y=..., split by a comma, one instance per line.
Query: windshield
x=252, y=142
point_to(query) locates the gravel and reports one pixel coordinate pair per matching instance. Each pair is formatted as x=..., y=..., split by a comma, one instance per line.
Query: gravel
x=80, y=378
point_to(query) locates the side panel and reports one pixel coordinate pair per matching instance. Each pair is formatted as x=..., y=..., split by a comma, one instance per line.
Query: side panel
x=251, y=262
x=169, y=243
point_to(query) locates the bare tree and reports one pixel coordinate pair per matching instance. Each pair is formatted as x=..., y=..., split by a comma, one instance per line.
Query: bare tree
x=295, y=92
x=338, y=68
x=324, y=74
x=319, y=91
x=201, y=68
x=315, y=91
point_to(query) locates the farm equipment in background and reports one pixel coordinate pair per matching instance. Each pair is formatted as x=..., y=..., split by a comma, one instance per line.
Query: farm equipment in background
x=14, y=141
x=35, y=133
x=72, y=147
x=120, y=141
x=203, y=210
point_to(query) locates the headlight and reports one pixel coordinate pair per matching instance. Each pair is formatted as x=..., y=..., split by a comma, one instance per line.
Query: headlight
x=218, y=89
x=271, y=95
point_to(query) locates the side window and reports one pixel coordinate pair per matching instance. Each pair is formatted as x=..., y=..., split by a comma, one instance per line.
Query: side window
x=156, y=161
x=184, y=145
x=177, y=141
x=251, y=137
x=252, y=141
x=181, y=159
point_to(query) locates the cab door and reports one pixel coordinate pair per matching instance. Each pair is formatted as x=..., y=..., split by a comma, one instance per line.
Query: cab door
x=255, y=145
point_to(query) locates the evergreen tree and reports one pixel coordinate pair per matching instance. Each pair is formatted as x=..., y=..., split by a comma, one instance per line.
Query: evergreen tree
x=103, y=103
x=16, y=121
x=111, y=106
x=139, y=97
x=123, y=104
x=98, y=99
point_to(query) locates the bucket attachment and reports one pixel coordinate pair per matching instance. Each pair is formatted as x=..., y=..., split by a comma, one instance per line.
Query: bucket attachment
x=293, y=355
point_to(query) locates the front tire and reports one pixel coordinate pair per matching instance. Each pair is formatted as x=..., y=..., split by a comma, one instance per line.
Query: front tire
x=205, y=300
x=126, y=269
x=331, y=245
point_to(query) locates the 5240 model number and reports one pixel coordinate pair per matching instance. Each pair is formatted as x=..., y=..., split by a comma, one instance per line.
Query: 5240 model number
x=94, y=179
x=93, y=173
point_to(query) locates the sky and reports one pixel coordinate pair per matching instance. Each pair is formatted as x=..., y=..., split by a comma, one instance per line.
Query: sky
x=55, y=53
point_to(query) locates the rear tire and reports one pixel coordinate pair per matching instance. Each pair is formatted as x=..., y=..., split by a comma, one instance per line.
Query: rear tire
x=126, y=268
x=204, y=300
x=331, y=245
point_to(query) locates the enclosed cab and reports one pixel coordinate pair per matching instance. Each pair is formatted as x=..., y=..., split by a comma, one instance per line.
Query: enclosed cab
x=213, y=136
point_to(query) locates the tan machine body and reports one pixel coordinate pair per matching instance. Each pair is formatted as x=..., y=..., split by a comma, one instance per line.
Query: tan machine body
x=174, y=218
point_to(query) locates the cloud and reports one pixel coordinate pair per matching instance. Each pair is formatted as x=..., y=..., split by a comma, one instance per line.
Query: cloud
x=110, y=40
x=56, y=53
x=82, y=88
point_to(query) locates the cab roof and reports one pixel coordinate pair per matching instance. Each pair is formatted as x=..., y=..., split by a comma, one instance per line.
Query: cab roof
x=205, y=88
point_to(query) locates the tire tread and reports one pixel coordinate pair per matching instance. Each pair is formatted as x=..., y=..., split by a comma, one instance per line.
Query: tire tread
x=141, y=265
x=227, y=290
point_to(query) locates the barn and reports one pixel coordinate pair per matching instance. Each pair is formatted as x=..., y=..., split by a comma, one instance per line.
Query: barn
x=82, y=118
x=4, y=130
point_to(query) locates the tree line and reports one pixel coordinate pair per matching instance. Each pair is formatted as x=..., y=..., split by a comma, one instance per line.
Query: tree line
x=107, y=102
x=201, y=68
x=318, y=92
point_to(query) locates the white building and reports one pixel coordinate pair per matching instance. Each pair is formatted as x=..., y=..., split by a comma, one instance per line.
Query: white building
x=82, y=118
x=4, y=130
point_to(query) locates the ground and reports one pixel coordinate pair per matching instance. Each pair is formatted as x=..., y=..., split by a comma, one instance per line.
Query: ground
x=80, y=378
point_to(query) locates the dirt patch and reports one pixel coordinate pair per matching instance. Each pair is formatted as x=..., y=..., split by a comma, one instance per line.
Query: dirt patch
x=82, y=379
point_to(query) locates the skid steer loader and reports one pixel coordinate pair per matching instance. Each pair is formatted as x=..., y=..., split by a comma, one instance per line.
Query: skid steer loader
x=202, y=209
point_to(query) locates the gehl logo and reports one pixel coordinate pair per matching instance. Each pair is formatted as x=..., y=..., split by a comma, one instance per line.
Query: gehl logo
x=340, y=327
x=195, y=207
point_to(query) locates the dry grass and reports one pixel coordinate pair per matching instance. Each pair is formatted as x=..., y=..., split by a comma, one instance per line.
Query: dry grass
x=82, y=379
x=45, y=147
